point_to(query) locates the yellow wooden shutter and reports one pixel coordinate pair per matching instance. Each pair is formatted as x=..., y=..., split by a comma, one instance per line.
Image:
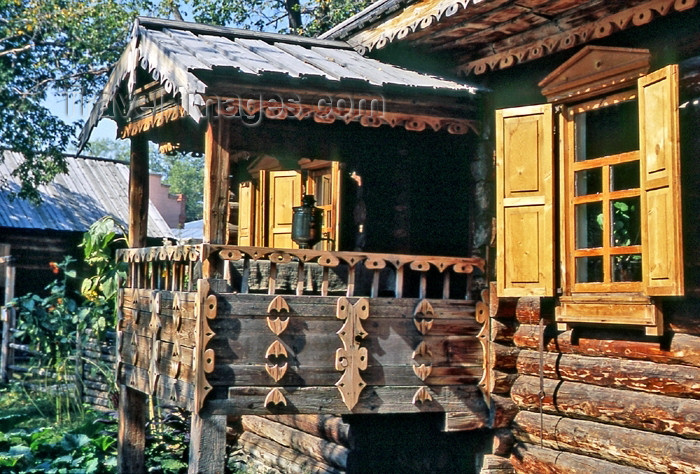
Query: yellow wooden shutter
x=246, y=216
x=284, y=194
x=524, y=208
x=659, y=150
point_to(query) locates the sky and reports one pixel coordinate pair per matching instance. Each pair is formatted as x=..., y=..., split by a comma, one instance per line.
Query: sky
x=67, y=110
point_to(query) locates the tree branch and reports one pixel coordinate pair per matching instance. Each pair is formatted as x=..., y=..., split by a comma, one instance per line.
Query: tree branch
x=16, y=50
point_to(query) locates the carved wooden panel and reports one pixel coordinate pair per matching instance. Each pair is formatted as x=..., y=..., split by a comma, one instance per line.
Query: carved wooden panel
x=276, y=353
x=352, y=358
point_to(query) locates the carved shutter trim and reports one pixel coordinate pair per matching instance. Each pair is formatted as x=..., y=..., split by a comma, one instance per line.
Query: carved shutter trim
x=660, y=182
x=524, y=207
x=246, y=216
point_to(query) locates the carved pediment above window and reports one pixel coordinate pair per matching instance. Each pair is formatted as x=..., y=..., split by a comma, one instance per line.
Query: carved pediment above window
x=595, y=70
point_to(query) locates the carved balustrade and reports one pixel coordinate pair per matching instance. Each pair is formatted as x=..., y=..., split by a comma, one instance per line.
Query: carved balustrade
x=303, y=272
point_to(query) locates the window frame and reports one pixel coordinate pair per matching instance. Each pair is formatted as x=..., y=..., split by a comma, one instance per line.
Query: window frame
x=569, y=200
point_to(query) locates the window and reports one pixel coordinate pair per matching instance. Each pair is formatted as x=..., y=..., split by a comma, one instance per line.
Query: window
x=618, y=234
x=265, y=205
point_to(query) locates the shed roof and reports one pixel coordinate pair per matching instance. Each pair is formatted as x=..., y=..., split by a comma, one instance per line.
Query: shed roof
x=194, y=62
x=92, y=188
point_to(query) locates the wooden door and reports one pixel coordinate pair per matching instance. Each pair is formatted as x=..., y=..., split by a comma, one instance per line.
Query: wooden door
x=246, y=214
x=284, y=192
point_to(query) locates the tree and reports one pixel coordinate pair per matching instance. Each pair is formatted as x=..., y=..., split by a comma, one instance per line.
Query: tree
x=69, y=45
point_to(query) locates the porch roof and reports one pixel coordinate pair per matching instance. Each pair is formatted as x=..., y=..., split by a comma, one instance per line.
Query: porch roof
x=195, y=63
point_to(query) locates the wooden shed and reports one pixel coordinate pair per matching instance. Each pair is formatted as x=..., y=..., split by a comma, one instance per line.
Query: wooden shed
x=35, y=235
x=556, y=179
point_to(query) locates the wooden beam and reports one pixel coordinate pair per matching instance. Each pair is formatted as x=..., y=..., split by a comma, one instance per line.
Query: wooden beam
x=138, y=192
x=207, y=444
x=132, y=431
x=216, y=188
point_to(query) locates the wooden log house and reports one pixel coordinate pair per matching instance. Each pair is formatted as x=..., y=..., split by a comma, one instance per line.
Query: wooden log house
x=561, y=167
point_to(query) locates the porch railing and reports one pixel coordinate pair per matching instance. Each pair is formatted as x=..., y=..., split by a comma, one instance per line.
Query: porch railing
x=303, y=272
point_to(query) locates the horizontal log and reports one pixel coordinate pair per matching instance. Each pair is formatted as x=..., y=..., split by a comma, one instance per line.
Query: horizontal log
x=502, y=442
x=99, y=402
x=457, y=421
x=491, y=461
x=502, y=330
x=279, y=457
x=501, y=382
x=504, y=410
x=316, y=448
x=640, y=449
x=329, y=427
x=672, y=380
x=103, y=387
x=313, y=342
x=528, y=310
x=98, y=357
x=501, y=308
x=502, y=356
x=658, y=413
x=673, y=348
x=535, y=459
x=298, y=375
x=328, y=401
x=241, y=305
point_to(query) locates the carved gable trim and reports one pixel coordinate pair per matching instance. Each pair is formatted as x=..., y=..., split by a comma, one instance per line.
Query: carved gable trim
x=594, y=70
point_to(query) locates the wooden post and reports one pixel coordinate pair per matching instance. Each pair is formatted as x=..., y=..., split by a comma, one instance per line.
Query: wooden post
x=132, y=431
x=207, y=443
x=132, y=403
x=8, y=319
x=138, y=192
x=216, y=189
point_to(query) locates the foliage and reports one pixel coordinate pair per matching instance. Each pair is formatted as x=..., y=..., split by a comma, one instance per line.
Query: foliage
x=32, y=443
x=52, y=47
x=101, y=288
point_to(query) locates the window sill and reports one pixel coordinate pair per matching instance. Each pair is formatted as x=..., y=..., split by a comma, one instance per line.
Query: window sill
x=621, y=309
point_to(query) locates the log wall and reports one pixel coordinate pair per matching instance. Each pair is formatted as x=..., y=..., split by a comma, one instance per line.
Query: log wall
x=96, y=368
x=612, y=400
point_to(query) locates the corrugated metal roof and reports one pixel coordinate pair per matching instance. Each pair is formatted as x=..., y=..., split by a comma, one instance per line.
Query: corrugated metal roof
x=91, y=189
x=185, y=57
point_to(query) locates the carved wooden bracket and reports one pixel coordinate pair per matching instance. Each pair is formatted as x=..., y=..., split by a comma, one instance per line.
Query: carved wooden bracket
x=277, y=353
x=154, y=327
x=483, y=317
x=352, y=358
x=422, y=395
x=275, y=397
x=278, y=325
x=274, y=354
x=423, y=317
x=205, y=309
